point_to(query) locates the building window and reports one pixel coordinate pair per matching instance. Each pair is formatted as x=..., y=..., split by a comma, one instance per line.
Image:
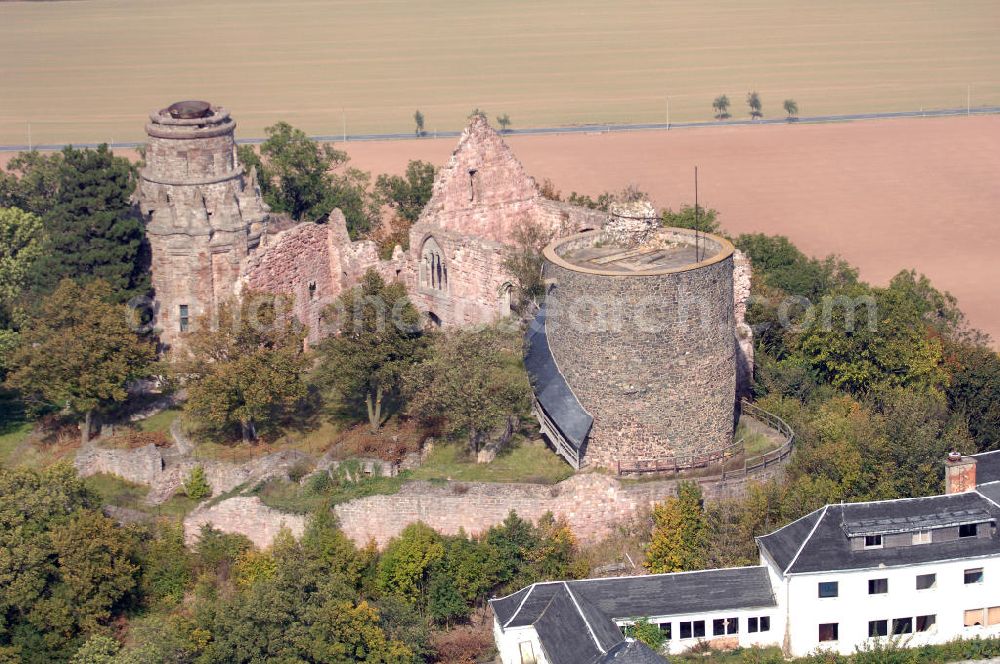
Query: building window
x=968, y=530
x=723, y=626
x=878, y=628
x=878, y=586
x=926, y=581
x=765, y=623
x=183, y=318
x=993, y=617
x=693, y=630
x=926, y=623
x=923, y=537
x=761, y=624
x=829, y=589
x=527, y=653
x=873, y=541
x=902, y=626
x=974, y=617
x=433, y=272
x=665, y=630
x=829, y=631
x=973, y=576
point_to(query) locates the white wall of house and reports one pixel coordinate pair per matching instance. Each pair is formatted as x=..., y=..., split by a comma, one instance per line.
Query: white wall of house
x=510, y=644
x=739, y=619
x=854, y=607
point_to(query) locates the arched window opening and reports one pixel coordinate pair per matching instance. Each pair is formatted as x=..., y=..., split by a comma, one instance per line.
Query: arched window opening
x=506, y=298
x=433, y=272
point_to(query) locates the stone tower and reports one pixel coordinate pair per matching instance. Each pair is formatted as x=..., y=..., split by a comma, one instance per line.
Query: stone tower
x=203, y=213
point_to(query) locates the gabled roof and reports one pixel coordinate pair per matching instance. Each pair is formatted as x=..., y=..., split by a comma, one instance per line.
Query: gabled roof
x=649, y=595
x=570, y=628
x=825, y=546
x=990, y=491
x=987, y=467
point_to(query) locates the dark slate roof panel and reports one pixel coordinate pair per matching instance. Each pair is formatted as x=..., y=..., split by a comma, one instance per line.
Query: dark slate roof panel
x=631, y=652
x=563, y=632
x=672, y=594
x=505, y=607
x=534, y=604
x=551, y=389
x=991, y=491
x=987, y=467
x=604, y=629
x=828, y=548
x=784, y=543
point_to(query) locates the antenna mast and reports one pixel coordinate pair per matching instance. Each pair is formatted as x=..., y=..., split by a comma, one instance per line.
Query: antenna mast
x=697, y=222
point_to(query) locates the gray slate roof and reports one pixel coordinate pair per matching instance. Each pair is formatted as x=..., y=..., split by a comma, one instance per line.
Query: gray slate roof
x=551, y=389
x=650, y=595
x=991, y=491
x=631, y=652
x=818, y=543
x=987, y=467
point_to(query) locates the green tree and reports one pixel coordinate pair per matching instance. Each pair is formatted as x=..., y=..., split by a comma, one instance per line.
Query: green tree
x=524, y=263
x=444, y=603
x=791, y=108
x=643, y=630
x=378, y=337
x=98, y=649
x=679, y=532
x=504, y=122
x=94, y=232
x=79, y=352
x=418, y=120
x=781, y=265
x=22, y=242
x=974, y=389
x=473, y=383
x=407, y=194
x=407, y=562
x=196, y=487
x=166, y=565
x=753, y=102
x=863, y=337
x=301, y=179
x=721, y=107
x=706, y=219
x=246, y=371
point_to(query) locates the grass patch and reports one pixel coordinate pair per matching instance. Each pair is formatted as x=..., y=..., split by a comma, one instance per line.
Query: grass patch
x=11, y=438
x=159, y=423
x=113, y=490
x=320, y=491
x=524, y=461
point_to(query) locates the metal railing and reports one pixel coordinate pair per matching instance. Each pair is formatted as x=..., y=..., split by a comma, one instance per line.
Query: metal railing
x=751, y=465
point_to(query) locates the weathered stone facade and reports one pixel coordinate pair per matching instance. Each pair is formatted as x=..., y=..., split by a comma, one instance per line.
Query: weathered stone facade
x=204, y=214
x=244, y=515
x=651, y=355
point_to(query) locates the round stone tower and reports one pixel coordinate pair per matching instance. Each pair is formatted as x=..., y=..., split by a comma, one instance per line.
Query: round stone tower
x=640, y=323
x=203, y=213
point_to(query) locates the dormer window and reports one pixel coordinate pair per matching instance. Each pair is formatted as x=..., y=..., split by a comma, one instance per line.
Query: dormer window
x=922, y=537
x=968, y=530
x=873, y=541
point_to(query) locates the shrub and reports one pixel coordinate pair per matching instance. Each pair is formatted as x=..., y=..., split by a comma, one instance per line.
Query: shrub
x=196, y=487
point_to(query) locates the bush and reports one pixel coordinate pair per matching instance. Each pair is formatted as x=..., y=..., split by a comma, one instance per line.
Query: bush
x=196, y=487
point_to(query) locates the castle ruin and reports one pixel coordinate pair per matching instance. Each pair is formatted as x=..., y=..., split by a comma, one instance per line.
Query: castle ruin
x=212, y=237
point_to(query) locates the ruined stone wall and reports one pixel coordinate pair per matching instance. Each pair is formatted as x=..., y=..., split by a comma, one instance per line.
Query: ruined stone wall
x=245, y=516
x=141, y=466
x=591, y=503
x=651, y=357
x=742, y=274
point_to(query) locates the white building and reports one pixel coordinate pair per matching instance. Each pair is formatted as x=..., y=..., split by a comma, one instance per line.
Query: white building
x=920, y=570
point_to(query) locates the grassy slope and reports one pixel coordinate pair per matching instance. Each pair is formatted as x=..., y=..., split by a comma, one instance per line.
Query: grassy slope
x=544, y=62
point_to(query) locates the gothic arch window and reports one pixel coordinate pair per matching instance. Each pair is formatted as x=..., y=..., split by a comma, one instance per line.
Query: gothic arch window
x=433, y=271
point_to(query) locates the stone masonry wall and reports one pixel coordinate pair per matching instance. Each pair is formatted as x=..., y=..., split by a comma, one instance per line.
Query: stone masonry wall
x=591, y=503
x=141, y=466
x=245, y=516
x=650, y=357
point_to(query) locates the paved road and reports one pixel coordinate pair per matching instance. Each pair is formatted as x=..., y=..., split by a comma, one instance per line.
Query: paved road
x=588, y=128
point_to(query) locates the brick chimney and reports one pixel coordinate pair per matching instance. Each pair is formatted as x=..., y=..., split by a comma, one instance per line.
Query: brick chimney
x=959, y=473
